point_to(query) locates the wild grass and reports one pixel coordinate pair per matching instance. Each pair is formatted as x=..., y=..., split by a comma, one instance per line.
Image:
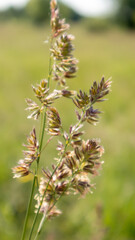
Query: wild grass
x=108, y=213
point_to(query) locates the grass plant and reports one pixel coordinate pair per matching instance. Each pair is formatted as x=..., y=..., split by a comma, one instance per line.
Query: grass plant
x=109, y=212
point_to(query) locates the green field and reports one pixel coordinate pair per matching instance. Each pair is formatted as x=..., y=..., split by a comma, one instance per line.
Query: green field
x=108, y=213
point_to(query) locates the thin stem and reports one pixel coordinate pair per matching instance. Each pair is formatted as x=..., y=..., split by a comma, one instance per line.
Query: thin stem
x=42, y=135
x=40, y=226
x=50, y=63
x=49, y=140
x=40, y=149
x=28, y=209
x=43, y=126
x=44, y=118
x=37, y=181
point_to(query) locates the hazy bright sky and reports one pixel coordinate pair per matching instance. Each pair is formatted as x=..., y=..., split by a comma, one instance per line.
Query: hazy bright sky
x=86, y=7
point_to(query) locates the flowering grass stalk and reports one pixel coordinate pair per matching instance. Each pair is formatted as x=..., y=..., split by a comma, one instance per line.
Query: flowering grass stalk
x=77, y=158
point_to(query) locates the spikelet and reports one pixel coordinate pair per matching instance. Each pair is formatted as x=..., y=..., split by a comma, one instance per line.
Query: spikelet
x=98, y=91
x=92, y=115
x=32, y=152
x=82, y=100
x=34, y=108
x=54, y=122
x=81, y=184
x=21, y=170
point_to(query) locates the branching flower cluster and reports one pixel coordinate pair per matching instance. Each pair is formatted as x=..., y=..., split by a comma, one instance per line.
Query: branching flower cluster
x=77, y=159
x=30, y=155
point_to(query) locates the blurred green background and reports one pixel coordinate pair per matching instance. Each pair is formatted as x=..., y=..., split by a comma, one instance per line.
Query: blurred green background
x=103, y=47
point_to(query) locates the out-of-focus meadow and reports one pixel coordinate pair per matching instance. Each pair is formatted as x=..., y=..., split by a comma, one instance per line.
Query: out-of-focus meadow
x=108, y=213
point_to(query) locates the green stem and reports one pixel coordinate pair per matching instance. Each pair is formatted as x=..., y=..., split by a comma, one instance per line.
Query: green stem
x=41, y=124
x=43, y=131
x=40, y=226
x=44, y=120
x=38, y=159
x=50, y=63
x=28, y=209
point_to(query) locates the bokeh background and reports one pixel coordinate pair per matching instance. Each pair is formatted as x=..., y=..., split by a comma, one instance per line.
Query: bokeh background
x=105, y=45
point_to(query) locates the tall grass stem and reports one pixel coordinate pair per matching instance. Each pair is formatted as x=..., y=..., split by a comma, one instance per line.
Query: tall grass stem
x=28, y=209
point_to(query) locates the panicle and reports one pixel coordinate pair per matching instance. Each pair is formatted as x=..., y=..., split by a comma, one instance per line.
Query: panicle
x=53, y=186
x=48, y=209
x=96, y=93
x=58, y=25
x=71, y=176
x=65, y=65
x=77, y=158
x=42, y=93
x=85, y=101
x=85, y=158
x=63, y=47
x=30, y=155
x=41, y=90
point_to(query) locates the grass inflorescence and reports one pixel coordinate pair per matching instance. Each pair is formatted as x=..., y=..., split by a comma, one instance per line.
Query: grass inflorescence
x=77, y=159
